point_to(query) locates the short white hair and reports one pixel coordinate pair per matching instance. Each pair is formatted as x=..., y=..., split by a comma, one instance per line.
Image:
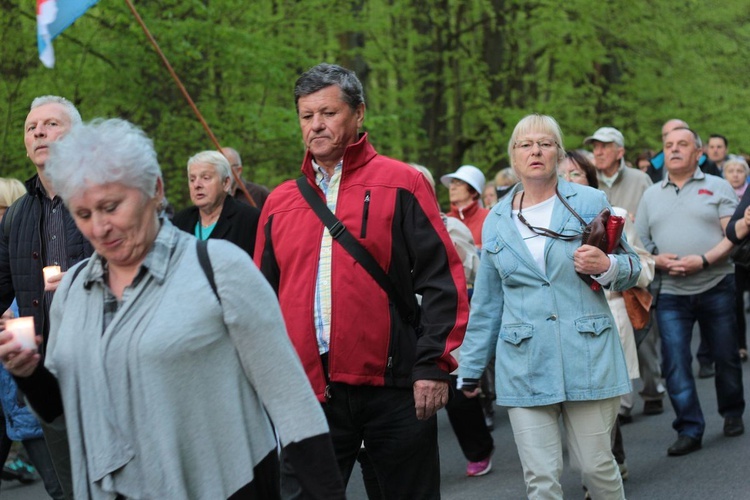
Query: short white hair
x=215, y=158
x=103, y=152
x=72, y=111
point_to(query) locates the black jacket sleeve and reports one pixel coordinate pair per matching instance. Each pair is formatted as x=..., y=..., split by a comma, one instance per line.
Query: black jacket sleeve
x=739, y=213
x=43, y=392
x=315, y=466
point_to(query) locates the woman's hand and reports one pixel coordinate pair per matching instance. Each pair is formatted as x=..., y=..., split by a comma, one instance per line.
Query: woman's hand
x=19, y=362
x=746, y=218
x=590, y=260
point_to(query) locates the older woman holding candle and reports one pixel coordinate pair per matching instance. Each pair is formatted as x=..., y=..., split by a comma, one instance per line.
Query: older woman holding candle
x=555, y=341
x=165, y=357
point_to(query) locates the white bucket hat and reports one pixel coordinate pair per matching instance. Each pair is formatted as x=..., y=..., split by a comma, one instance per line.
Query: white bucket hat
x=470, y=174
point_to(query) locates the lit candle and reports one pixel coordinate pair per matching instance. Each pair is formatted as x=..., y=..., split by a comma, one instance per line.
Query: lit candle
x=49, y=272
x=23, y=331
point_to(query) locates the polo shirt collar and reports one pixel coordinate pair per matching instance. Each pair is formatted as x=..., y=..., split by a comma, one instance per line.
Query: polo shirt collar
x=697, y=175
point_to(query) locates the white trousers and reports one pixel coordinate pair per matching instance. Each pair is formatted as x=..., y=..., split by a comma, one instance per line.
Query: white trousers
x=588, y=425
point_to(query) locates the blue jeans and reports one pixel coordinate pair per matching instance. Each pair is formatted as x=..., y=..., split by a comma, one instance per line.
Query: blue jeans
x=714, y=312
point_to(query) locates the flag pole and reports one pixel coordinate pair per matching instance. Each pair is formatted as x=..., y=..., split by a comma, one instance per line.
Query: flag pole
x=237, y=179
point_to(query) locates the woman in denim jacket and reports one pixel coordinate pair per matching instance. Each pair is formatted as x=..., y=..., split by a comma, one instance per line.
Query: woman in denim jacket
x=557, y=349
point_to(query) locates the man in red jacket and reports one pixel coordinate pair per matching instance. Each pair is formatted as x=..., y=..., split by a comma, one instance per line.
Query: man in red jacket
x=379, y=376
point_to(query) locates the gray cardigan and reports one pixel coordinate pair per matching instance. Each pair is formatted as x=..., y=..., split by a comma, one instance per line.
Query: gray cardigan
x=177, y=380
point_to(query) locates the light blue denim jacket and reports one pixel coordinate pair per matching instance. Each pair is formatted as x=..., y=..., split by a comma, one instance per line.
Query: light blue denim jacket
x=554, y=338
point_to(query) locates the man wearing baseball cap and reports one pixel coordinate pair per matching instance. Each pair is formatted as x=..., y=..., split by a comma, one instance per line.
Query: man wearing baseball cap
x=624, y=186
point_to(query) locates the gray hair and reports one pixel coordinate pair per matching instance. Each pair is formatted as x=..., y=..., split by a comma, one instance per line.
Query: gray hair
x=539, y=124
x=426, y=172
x=737, y=160
x=215, y=158
x=73, y=114
x=227, y=151
x=696, y=137
x=505, y=177
x=103, y=152
x=324, y=75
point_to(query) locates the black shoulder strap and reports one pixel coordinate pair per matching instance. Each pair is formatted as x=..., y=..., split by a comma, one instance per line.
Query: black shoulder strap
x=78, y=271
x=205, y=263
x=339, y=233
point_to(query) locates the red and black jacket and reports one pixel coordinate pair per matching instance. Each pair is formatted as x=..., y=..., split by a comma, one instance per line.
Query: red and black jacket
x=391, y=209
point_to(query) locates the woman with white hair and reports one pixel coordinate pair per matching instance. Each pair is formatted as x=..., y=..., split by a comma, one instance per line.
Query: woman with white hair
x=215, y=214
x=558, y=353
x=166, y=356
x=736, y=172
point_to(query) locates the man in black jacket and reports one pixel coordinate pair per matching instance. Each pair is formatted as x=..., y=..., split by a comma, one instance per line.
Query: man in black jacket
x=38, y=231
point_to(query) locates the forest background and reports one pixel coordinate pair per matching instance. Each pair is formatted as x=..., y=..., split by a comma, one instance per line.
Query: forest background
x=445, y=80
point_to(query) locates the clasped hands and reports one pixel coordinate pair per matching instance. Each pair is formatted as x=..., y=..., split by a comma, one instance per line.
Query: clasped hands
x=678, y=266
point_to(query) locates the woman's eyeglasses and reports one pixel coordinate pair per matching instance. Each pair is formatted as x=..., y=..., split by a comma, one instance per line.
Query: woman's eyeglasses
x=572, y=175
x=544, y=145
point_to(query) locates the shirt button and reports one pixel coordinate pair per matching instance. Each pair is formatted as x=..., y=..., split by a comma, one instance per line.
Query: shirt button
x=54, y=237
x=54, y=210
x=35, y=303
x=553, y=317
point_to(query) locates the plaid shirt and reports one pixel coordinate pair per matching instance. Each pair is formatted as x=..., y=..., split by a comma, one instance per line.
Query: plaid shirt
x=155, y=264
x=330, y=187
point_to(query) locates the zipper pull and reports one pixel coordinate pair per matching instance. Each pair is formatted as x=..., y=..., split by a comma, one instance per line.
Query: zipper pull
x=390, y=362
x=365, y=213
x=327, y=392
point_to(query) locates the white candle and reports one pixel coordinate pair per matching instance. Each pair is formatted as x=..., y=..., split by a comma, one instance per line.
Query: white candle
x=49, y=272
x=23, y=331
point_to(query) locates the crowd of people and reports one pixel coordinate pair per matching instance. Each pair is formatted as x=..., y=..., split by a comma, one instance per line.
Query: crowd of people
x=258, y=345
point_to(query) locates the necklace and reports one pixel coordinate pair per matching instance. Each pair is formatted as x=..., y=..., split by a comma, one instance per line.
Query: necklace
x=543, y=231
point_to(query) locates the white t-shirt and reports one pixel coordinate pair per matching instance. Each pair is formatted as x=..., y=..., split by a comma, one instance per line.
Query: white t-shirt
x=538, y=215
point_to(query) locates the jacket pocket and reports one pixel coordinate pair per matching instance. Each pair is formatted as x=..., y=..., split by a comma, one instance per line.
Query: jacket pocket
x=517, y=333
x=593, y=325
x=503, y=259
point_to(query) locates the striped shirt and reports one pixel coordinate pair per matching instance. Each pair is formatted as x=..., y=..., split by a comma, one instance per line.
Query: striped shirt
x=52, y=232
x=330, y=187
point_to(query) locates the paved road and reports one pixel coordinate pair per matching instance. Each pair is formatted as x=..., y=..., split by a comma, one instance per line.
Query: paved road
x=720, y=470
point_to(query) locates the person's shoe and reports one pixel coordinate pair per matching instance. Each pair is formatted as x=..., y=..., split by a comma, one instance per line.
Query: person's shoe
x=20, y=471
x=733, y=426
x=624, y=419
x=623, y=471
x=653, y=407
x=479, y=468
x=683, y=446
x=706, y=370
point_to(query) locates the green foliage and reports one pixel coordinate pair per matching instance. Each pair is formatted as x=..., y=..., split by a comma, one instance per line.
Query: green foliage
x=445, y=80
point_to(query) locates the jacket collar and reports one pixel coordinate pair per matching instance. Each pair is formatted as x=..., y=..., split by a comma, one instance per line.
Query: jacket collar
x=355, y=156
x=697, y=175
x=509, y=233
x=467, y=211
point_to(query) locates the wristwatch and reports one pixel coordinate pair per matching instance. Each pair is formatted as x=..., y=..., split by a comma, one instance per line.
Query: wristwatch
x=705, y=262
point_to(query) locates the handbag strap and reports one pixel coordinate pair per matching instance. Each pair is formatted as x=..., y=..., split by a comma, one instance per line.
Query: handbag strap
x=205, y=262
x=562, y=199
x=340, y=233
